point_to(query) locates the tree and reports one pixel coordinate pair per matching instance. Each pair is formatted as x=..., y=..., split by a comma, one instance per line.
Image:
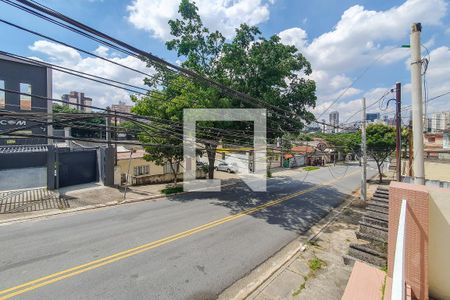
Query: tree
x=380, y=144
x=264, y=69
x=168, y=105
x=85, y=127
x=269, y=70
x=348, y=142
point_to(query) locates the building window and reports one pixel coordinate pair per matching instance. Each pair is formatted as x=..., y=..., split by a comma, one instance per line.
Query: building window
x=141, y=170
x=25, y=100
x=2, y=94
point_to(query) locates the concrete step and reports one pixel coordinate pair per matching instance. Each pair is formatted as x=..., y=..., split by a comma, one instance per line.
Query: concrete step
x=369, y=237
x=378, y=199
x=383, y=188
x=363, y=255
x=374, y=221
x=381, y=195
x=371, y=229
x=377, y=249
x=377, y=215
x=377, y=209
x=379, y=204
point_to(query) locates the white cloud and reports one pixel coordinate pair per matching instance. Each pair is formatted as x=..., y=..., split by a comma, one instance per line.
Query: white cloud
x=295, y=37
x=57, y=53
x=101, y=94
x=222, y=15
x=361, y=38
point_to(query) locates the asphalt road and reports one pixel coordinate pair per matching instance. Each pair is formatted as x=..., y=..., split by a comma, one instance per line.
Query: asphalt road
x=191, y=246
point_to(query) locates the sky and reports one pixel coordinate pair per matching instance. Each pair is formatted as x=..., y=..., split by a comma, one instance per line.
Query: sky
x=354, y=46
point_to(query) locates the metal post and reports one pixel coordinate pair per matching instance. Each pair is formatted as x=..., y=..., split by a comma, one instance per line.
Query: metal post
x=398, y=124
x=115, y=137
x=128, y=175
x=281, y=151
x=417, y=104
x=364, y=154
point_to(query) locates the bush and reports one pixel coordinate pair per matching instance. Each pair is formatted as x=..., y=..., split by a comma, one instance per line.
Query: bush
x=172, y=190
x=269, y=174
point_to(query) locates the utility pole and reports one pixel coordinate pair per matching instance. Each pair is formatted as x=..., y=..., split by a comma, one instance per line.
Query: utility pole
x=410, y=154
x=115, y=137
x=417, y=104
x=398, y=124
x=280, y=144
x=364, y=154
x=108, y=126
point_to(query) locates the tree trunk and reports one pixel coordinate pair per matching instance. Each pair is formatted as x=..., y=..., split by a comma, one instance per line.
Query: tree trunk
x=174, y=172
x=379, y=172
x=211, y=152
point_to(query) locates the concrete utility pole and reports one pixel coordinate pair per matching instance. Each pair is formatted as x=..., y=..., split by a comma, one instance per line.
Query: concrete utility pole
x=108, y=126
x=398, y=124
x=417, y=104
x=364, y=154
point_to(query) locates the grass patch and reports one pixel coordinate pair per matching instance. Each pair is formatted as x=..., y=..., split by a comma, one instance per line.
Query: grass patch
x=300, y=288
x=316, y=264
x=172, y=190
x=311, y=168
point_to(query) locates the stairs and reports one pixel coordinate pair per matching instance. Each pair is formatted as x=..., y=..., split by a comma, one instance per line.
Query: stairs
x=373, y=232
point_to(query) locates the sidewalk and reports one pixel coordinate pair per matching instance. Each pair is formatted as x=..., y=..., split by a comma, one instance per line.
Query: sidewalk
x=319, y=271
x=95, y=195
x=310, y=267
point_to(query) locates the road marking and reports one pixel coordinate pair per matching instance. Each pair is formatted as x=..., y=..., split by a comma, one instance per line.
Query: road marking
x=49, y=279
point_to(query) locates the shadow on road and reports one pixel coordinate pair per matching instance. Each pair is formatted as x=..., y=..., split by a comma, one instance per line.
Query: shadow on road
x=295, y=214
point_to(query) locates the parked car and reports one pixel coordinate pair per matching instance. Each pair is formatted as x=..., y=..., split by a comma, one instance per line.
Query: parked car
x=202, y=165
x=226, y=167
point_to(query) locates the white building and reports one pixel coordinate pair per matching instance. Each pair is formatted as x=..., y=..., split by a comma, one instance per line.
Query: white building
x=334, y=121
x=440, y=121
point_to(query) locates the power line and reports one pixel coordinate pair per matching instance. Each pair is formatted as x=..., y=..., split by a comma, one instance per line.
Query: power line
x=158, y=61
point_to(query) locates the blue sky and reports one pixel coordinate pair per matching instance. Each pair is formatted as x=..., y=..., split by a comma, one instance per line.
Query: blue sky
x=340, y=38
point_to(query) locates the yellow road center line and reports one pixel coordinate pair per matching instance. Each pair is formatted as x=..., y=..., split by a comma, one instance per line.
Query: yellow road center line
x=49, y=279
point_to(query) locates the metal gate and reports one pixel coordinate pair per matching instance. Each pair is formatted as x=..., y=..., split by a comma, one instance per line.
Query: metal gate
x=77, y=167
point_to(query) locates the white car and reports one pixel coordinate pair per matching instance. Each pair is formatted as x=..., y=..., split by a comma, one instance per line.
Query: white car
x=226, y=167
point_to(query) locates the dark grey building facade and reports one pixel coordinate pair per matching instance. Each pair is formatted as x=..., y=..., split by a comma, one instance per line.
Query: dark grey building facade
x=372, y=117
x=27, y=78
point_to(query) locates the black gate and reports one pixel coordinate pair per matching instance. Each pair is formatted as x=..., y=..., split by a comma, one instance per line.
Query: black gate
x=77, y=167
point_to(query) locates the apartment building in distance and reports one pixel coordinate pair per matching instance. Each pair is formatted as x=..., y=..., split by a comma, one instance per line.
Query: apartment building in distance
x=122, y=107
x=440, y=121
x=78, y=101
x=334, y=121
x=372, y=117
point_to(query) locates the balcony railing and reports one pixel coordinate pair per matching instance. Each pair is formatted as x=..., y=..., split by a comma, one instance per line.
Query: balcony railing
x=398, y=276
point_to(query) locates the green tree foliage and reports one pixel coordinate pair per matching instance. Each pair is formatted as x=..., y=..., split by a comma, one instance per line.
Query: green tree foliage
x=84, y=127
x=380, y=144
x=344, y=142
x=265, y=69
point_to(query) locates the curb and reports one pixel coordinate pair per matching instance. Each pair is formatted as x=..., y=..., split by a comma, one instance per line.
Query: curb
x=91, y=207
